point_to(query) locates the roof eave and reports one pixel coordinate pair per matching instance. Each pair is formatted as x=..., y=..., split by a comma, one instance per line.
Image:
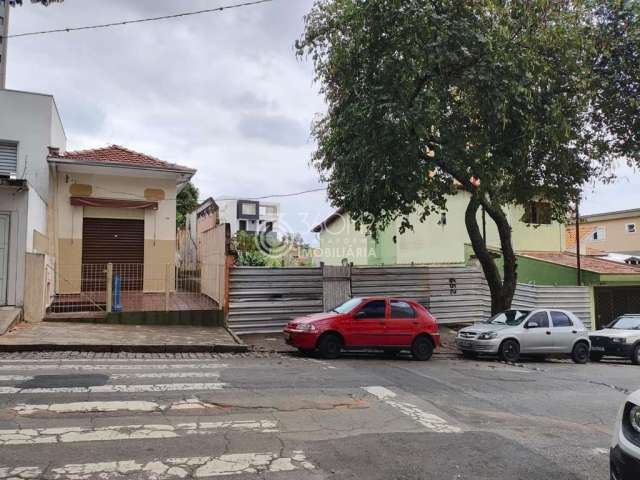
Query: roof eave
x=183, y=171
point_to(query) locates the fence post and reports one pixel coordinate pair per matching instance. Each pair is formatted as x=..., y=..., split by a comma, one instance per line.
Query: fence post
x=167, y=284
x=109, y=286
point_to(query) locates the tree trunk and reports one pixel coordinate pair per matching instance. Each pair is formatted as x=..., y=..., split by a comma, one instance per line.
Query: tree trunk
x=502, y=288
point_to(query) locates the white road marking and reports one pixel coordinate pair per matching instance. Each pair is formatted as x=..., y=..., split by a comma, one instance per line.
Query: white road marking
x=32, y=436
x=381, y=392
x=105, y=366
x=166, y=387
x=193, y=467
x=428, y=420
x=110, y=406
x=121, y=376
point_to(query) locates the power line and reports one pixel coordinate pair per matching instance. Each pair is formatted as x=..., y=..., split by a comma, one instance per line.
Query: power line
x=277, y=195
x=140, y=20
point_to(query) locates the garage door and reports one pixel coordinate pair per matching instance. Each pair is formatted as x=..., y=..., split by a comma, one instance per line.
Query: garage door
x=117, y=241
x=611, y=302
x=4, y=257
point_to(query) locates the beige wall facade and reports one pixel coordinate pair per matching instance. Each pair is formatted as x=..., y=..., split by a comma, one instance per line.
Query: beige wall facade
x=114, y=183
x=613, y=235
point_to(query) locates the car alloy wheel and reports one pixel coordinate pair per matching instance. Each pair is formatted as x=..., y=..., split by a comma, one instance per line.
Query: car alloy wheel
x=330, y=346
x=510, y=351
x=422, y=349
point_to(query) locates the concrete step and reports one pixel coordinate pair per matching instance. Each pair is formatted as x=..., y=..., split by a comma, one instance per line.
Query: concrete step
x=9, y=316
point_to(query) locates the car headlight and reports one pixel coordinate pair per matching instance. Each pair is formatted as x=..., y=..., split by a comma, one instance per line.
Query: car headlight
x=634, y=418
x=619, y=340
x=488, y=335
x=307, y=327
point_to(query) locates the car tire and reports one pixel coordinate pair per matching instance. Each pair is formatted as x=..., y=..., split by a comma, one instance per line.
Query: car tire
x=580, y=353
x=595, y=357
x=635, y=356
x=422, y=349
x=469, y=354
x=510, y=351
x=330, y=346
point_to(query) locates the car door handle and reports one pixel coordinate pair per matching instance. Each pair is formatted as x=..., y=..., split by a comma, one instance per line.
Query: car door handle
x=574, y=331
x=548, y=332
x=416, y=323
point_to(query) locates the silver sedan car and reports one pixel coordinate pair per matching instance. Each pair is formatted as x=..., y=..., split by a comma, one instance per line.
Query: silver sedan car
x=521, y=332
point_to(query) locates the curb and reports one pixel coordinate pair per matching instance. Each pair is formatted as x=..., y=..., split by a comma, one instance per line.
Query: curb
x=222, y=348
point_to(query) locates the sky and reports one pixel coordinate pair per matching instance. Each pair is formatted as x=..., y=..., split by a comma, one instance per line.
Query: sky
x=220, y=92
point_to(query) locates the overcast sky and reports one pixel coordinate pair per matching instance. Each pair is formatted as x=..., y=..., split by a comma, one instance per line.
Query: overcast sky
x=220, y=92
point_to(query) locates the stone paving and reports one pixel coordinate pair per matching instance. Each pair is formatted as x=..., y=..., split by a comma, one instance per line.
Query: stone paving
x=74, y=335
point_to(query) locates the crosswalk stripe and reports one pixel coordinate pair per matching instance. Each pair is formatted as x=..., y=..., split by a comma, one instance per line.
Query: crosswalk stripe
x=192, y=467
x=166, y=387
x=123, y=376
x=428, y=420
x=32, y=436
x=111, y=406
x=106, y=366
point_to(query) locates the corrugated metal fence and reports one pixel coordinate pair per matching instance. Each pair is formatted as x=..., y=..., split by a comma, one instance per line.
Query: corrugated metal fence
x=265, y=299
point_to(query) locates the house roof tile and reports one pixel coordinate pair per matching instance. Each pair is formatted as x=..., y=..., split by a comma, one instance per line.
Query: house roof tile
x=590, y=264
x=121, y=156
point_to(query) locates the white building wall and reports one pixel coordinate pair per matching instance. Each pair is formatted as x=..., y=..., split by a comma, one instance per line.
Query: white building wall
x=31, y=120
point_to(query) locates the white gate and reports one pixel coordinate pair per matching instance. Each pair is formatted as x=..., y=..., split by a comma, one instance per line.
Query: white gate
x=4, y=257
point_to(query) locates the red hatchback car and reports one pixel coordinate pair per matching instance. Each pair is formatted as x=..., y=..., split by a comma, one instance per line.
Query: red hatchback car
x=392, y=324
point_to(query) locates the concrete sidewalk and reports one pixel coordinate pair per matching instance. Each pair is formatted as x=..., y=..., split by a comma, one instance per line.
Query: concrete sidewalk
x=47, y=336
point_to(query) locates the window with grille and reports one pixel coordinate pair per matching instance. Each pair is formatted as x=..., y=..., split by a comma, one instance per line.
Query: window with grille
x=8, y=158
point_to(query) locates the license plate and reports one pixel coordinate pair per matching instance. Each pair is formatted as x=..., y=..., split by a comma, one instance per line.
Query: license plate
x=597, y=349
x=465, y=343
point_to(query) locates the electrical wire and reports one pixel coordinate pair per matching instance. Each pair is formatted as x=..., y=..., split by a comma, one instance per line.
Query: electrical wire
x=140, y=20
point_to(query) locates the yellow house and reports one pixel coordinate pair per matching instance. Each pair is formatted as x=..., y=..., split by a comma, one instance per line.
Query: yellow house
x=440, y=239
x=113, y=205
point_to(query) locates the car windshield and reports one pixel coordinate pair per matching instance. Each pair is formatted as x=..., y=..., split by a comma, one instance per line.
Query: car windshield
x=510, y=317
x=347, y=306
x=626, y=323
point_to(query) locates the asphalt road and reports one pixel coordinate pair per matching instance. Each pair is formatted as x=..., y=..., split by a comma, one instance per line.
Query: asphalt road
x=287, y=417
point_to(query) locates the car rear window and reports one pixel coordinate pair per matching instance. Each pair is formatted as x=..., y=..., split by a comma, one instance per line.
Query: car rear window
x=561, y=319
x=402, y=310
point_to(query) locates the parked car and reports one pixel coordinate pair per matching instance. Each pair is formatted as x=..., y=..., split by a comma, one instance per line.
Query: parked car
x=621, y=338
x=392, y=324
x=624, y=455
x=516, y=332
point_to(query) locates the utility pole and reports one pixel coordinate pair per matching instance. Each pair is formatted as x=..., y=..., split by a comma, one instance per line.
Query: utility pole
x=579, y=270
x=5, y=8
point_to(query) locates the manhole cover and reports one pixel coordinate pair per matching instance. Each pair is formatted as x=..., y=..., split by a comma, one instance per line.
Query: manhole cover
x=57, y=381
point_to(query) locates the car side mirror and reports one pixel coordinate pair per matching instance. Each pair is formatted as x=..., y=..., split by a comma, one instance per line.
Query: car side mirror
x=533, y=325
x=360, y=314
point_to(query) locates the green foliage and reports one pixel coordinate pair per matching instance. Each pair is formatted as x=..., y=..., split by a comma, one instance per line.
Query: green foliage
x=484, y=89
x=244, y=242
x=616, y=79
x=186, y=202
x=251, y=259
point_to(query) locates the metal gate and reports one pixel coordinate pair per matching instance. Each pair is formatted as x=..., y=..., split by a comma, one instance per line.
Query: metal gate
x=611, y=302
x=336, y=286
x=4, y=257
x=112, y=240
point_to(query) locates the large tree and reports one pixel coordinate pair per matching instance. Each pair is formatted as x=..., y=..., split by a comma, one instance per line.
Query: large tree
x=426, y=97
